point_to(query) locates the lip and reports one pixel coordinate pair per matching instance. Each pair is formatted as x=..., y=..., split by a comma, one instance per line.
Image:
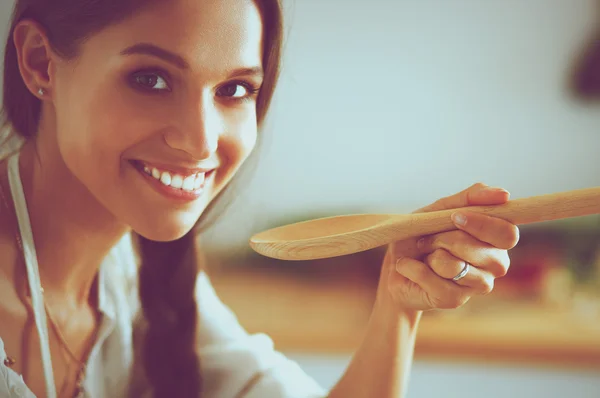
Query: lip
x=170, y=192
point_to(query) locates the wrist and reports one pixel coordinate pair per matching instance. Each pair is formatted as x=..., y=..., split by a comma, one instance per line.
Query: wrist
x=386, y=312
x=389, y=317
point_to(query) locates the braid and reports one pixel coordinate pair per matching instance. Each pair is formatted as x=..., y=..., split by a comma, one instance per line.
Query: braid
x=167, y=284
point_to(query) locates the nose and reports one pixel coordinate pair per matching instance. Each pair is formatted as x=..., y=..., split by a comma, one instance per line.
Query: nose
x=196, y=130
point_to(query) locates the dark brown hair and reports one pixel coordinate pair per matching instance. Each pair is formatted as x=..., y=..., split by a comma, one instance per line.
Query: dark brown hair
x=586, y=77
x=168, y=270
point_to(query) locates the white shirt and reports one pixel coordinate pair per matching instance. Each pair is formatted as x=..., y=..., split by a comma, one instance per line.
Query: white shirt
x=234, y=364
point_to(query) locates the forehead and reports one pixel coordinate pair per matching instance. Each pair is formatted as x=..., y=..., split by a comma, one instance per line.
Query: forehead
x=214, y=34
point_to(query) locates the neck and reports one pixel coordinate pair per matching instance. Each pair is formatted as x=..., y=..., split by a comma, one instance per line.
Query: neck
x=72, y=231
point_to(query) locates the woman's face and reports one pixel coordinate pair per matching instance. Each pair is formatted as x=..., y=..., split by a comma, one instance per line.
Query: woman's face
x=158, y=112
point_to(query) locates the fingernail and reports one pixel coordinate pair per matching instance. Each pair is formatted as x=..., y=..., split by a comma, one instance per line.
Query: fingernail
x=421, y=243
x=398, y=263
x=459, y=218
x=494, y=189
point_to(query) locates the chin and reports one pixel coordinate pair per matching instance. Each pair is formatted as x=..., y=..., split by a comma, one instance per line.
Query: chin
x=165, y=230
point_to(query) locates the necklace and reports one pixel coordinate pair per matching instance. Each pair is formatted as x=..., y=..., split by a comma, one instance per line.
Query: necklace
x=79, y=391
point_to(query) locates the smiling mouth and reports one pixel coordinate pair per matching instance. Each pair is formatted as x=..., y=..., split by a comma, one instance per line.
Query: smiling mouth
x=182, y=184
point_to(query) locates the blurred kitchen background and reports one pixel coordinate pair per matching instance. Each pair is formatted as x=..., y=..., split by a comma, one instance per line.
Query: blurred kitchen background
x=386, y=106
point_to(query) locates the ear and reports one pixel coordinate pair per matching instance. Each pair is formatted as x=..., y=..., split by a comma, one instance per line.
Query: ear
x=34, y=56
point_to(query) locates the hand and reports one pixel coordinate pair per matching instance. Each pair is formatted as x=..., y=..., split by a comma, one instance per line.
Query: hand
x=417, y=274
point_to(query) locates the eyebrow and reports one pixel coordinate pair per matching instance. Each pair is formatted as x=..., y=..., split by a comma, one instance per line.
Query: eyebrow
x=155, y=51
x=255, y=71
x=180, y=62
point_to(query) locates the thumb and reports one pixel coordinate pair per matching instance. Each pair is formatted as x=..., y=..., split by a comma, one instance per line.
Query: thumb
x=476, y=195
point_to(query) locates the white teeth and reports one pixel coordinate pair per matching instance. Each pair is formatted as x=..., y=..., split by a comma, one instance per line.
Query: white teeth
x=177, y=181
x=165, y=178
x=188, y=183
x=199, y=180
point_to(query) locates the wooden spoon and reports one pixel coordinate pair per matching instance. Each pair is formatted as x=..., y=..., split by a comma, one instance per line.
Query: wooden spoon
x=341, y=235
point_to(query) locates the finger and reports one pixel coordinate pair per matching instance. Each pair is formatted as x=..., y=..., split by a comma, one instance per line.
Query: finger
x=408, y=248
x=467, y=248
x=476, y=195
x=439, y=292
x=447, y=266
x=495, y=231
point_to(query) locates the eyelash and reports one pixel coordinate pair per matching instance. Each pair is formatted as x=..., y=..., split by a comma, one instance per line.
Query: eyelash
x=251, y=89
x=151, y=73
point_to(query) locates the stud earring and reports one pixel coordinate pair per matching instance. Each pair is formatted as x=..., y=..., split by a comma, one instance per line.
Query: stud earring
x=41, y=91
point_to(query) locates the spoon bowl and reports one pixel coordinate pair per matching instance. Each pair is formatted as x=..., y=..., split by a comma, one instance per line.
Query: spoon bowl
x=322, y=237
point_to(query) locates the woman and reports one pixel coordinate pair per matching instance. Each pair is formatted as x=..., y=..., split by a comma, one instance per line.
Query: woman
x=126, y=120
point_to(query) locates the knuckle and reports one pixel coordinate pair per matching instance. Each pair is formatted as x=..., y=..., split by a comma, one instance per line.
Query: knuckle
x=487, y=286
x=512, y=238
x=433, y=261
x=439, y=241
x=477, y=186
x=425, y=243
x=420, y=271
x=452, y=297
x=454, y=301
x=498, y=266
x=508, y=237
x=446, y=240
x=438, y=257
x=439, y=204
x=502, y=264
x=444, y=203
x=442, y=263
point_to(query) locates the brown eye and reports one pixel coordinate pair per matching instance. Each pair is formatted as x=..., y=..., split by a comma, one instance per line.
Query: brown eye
x=233, y=90
x=150, y=81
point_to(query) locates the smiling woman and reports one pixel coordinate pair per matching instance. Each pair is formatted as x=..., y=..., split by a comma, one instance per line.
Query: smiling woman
x=128, y=116
x=128, y=119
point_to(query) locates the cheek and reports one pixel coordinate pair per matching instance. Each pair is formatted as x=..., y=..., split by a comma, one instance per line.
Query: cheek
x=241, y=139
x=235, y=145
x=247, y=140
x=96, y=124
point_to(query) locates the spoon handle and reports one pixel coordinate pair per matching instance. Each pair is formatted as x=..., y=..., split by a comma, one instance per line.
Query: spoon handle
x=534, y=209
